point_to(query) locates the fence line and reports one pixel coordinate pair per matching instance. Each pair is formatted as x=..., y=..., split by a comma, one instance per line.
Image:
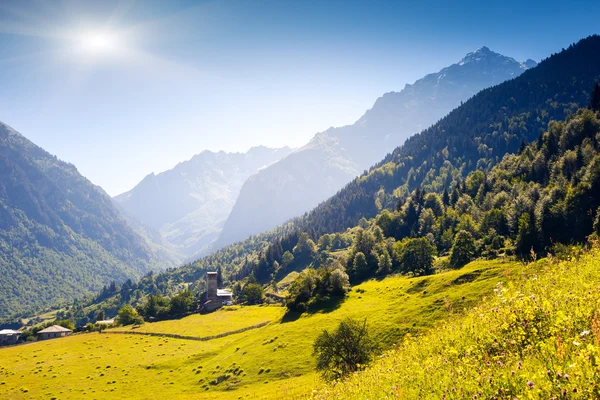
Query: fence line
x=202, y=339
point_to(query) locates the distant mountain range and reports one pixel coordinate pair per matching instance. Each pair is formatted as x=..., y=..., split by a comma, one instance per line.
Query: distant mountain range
x=311, y=174
x=61, y=237
x=189, y=204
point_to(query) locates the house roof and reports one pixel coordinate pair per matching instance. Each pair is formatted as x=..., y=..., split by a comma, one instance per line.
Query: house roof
x=224, y=293
x=55, y=329
x=106, y=322
x=211, y=273
x=9, y=332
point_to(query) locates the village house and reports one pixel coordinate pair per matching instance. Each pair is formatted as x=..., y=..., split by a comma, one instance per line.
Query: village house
x=8, y=337
x=54, y=331
x=215, y=297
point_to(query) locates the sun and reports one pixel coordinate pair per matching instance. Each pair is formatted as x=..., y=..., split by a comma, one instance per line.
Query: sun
x=98, y=43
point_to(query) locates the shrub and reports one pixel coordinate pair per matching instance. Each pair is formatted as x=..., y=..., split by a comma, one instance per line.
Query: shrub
x=311, y=288
x=339, y=282
x=463, y=249
x=345, y=350
x=252, y=293
x=182, y=303
x=415, y=256
x=127, y=315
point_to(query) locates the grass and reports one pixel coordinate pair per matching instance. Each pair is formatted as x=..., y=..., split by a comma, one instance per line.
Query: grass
x=224, y=320
x=40, y=319
x=274, y=361
x=538, y=337
x=287, y=280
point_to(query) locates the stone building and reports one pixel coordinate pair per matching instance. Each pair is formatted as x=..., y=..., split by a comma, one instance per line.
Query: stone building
x=8, y=337
x=215, y=297
x=54, y=331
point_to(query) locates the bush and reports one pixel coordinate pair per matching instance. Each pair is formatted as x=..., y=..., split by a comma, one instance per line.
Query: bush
x=252, y=293
x=311, y=288
x=463, y=249
x=301, y=290
x=415, y=256
x=345, y=350
x=182, y=303
x=339, y=282
x=155, y=306
x=128, y=315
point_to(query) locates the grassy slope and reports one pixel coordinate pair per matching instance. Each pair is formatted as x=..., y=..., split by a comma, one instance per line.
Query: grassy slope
x=538, y=337
x=225, y=320
x=144, y=366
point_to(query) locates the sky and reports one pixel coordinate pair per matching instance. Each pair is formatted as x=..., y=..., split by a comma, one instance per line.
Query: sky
x=123, y=88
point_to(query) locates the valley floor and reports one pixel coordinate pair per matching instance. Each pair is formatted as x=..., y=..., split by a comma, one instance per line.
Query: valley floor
x=274, y=361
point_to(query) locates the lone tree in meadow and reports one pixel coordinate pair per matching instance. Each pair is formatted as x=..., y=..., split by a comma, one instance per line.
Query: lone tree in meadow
x=345, y=350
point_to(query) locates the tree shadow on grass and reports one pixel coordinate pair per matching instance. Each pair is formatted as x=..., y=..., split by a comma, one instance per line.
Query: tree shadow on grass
x=323, y=307
x=290, y=316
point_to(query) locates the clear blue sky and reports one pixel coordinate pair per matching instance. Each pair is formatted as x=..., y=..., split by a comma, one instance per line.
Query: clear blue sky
x=125, y=88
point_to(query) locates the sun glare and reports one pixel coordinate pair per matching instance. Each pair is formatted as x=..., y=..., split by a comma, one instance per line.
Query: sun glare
x=98, y=43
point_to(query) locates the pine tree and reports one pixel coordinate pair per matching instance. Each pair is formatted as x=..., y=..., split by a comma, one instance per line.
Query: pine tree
x=595, y=98
x=445, y=197
x=400, y=204
x=522, y=147
x=455, y=195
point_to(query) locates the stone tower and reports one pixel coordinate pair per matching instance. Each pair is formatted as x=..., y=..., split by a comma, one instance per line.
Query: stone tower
x=211, y=285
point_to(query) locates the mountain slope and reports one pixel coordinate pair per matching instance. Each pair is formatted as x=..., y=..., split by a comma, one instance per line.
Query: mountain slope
x=189, y=203
x=60, y=236
x=477, y=135
x=332, y=158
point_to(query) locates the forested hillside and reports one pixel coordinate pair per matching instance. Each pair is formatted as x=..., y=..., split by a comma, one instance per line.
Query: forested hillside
x=316, y=171
x=543, y=195
x=60, y=235
x=531, y=203
x=476, y=135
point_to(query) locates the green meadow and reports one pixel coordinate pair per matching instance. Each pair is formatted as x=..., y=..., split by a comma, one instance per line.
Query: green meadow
x=537, y=337
x=274, y=361
x=227, y=319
